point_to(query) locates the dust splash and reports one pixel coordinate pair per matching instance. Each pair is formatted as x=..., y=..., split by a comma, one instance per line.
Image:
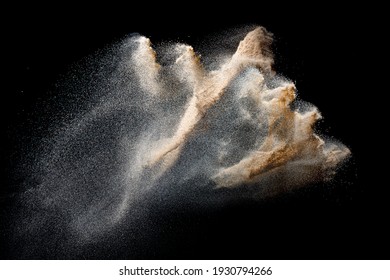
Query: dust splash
x=164, y=126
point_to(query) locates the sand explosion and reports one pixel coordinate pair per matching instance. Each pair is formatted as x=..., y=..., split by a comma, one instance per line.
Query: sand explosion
x=164, y=126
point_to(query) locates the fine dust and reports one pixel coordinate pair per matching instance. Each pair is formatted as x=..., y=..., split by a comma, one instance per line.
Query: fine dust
x=175, y=130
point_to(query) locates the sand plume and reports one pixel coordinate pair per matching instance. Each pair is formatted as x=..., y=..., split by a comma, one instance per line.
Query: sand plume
x=177, y=129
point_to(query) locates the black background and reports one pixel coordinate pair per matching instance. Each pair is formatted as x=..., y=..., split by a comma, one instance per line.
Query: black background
x=323, y=49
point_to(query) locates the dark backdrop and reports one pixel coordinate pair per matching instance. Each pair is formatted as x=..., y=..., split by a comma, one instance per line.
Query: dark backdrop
x=323, y=49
